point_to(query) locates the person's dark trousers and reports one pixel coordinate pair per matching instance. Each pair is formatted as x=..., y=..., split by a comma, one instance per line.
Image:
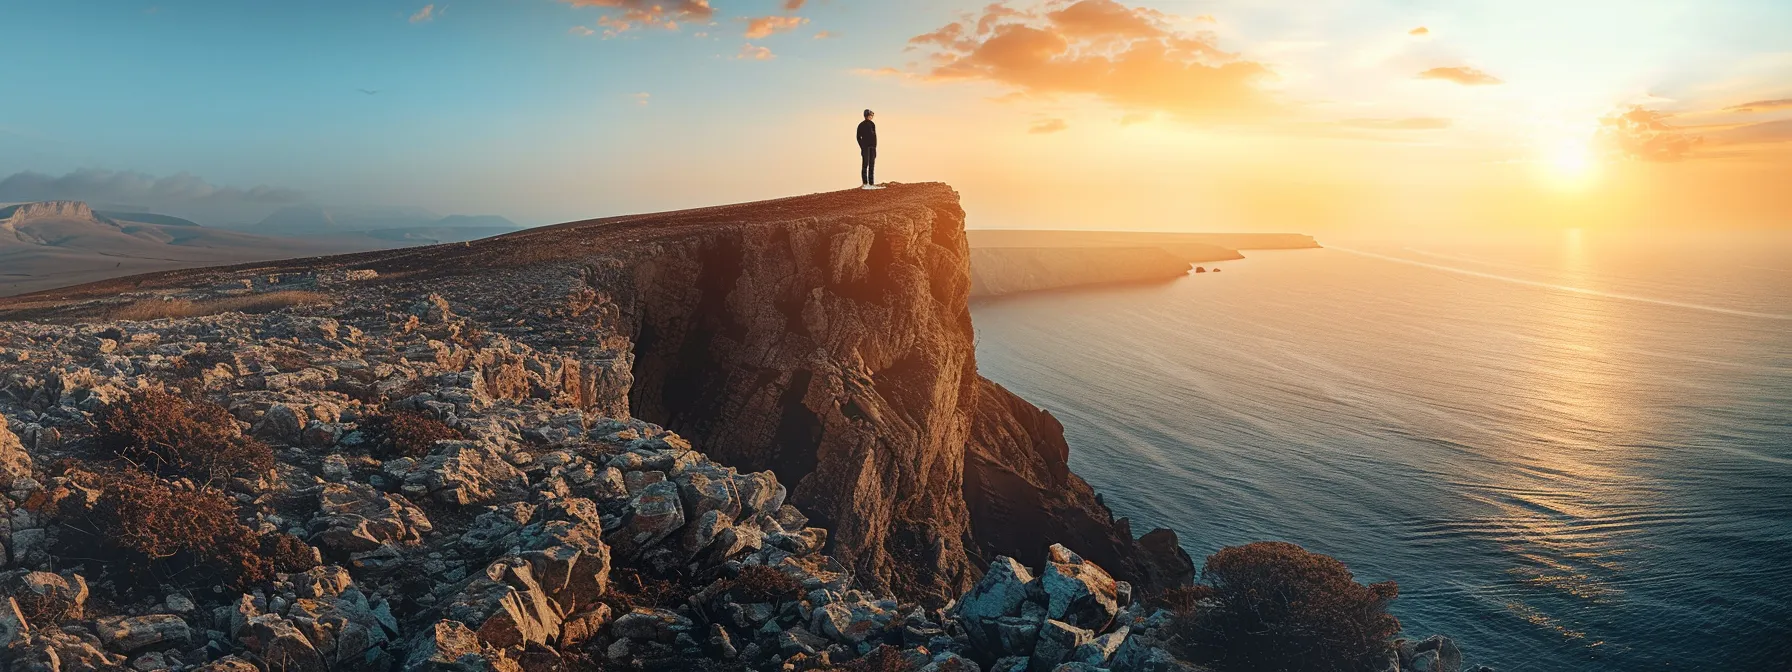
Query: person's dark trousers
x=868, y=163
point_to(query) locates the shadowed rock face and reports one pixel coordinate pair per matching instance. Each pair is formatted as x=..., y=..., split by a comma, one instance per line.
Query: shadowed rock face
x=1019, y=489
x=836, y=352
x=824, y=337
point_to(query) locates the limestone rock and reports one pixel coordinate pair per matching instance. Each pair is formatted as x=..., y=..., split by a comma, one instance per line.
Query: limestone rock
x=131, y=634
x=1077, y=592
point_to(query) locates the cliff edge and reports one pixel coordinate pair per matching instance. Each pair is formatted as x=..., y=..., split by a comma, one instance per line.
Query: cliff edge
x=826, y=338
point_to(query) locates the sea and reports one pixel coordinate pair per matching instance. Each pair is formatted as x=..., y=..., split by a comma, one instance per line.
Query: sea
x=1573, y=450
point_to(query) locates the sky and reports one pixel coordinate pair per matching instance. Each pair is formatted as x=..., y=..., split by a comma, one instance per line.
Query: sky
x=1218, y=115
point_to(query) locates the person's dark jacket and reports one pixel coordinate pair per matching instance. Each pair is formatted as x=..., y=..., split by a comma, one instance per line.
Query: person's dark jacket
x=867, y=135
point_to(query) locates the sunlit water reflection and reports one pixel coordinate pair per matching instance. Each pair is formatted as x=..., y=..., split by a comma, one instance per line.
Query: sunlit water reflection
x=1573, y=454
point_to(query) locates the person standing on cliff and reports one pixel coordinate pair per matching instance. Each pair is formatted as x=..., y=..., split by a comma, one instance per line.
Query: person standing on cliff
x=868, y=152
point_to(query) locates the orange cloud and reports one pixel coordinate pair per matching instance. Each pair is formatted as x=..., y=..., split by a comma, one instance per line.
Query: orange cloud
x=628, y=14
x=425, y=14
x=1044, y=126
x=1762, y=105
x=826, y=34
x=749, y=52
x=765, y=26
x=1129, y=57
x=1421, y=30
x=1645, y=134
x=793, y=5
x=1463, y=75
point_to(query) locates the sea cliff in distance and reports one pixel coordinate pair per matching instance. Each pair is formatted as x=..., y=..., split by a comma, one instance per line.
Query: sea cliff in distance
x=1011, y=261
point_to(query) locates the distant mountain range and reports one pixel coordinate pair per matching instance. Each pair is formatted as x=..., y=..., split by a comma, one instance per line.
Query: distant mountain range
x=410, y=225
x=51, y=244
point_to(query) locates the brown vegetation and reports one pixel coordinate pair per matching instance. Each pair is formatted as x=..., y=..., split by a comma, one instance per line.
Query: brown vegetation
x=287, y=553
x=144, y=531
x=1279, y=607
x=176, y=436
x=155, y=309
x=630, y=588
x=759, y=583
x=405, y=434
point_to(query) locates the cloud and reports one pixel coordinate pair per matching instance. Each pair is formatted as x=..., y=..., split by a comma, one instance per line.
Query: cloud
x=1401, y=124
x=427, y=13
x=1128, y=57
x=1766, y=132
x=766, y=26
x=826, y=35
x=181, y=194
x=1044, y=126
x=1645, y=134
x=641, y=98
x=1762, y=105
x=581, y=31
x=1463, y=75
x=793, y=5
x=1419, y=31
x=626, y=15
x=748, y=52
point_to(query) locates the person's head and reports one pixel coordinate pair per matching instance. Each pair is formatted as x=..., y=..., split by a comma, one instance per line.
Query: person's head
x=869, y=114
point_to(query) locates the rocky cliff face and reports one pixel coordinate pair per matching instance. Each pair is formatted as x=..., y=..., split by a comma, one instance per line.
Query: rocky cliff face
x=826, y=338
x=836, y=352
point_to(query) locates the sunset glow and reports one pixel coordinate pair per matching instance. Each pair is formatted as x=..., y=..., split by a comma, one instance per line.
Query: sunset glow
x=1135, y=114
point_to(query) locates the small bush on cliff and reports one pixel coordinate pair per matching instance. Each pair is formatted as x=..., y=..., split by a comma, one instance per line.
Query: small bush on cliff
x=143, y=530
x=1277, y=606
x=175, y=436
x=405, y=434
x=287, y=553
x=759, y=583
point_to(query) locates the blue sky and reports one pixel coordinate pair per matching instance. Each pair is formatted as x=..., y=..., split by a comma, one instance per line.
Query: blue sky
x=504, y=106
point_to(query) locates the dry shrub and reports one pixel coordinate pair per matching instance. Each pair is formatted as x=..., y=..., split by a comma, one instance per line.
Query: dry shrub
x=630, y=588
x=142, y=530
x=405, y=433
x=287, y=553
x=758, y=583
x=884, y=658
x=173, y=435
x=155, y=309
x=1280, y=607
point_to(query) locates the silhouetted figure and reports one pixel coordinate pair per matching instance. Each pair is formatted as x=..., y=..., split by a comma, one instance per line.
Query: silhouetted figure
x=868, y=152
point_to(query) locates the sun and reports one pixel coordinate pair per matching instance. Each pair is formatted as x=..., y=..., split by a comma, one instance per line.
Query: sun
x=1571, y=163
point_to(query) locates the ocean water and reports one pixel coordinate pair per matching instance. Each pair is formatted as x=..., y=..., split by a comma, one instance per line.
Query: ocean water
x=1572, y=452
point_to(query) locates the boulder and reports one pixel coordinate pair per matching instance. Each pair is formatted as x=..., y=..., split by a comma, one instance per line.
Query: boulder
x=12, y=623
x=283, y=647
x=655, y=513
x=571, y=562
x=507, y=607
x=1443, y=655
x=650, y=625
x=989, y=610
x=127, y=635
x=15, y=463
x=1057, y=640
x=355, y=518
x=1078, y=592
x=446, y=646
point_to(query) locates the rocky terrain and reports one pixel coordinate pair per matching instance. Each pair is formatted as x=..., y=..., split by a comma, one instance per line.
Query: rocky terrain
x=745, y=437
